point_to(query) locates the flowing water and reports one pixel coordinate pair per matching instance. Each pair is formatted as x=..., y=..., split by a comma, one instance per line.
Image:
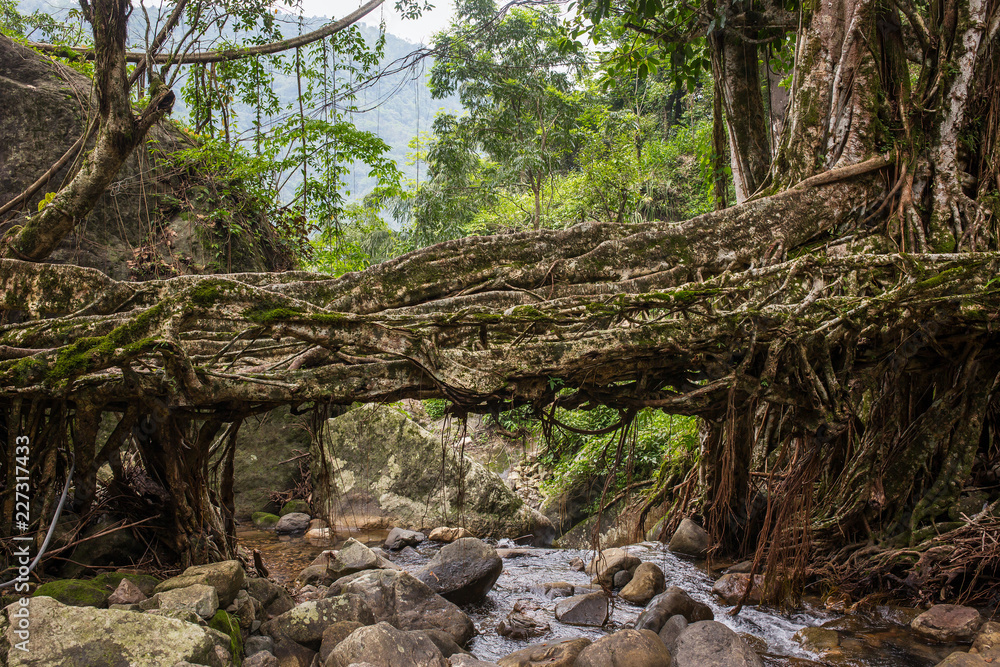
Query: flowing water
x=879, y=639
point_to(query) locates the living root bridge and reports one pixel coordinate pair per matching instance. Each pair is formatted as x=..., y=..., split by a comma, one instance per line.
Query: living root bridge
x=856, y=386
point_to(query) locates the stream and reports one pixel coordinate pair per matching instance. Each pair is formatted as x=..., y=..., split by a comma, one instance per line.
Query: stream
x=866, y=640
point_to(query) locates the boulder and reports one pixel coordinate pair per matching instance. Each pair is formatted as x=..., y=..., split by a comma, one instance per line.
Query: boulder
x=556, y=589
x=127, y=593
x=443, y=641
x=963, y=659
x=292, y=654
x=712, y=643
x=384, y=468
x=333, y=635
x=258, y=643
x=197, y=598
x=400, y=537
x=75, y=592
x=647, y=582
x=295, y=523
x=405, y=602
x=462, y=660
x=226, y=577
x=625, y=648
x=448, y=535
x=273, y=598
x=296, y=506
x=610, y=562
x=265, y=519
x=66, y=635
x=463, y=571
x=590, y=609
x=261, y=659
x=673, y=601
x=383, y=645
x=948, y=623
x=353, y=557
x=671, y=630
x=305, y=623
x=731, y=587
x=556, y=653
x=318, y=533
x=621, y=579
x=689, y=539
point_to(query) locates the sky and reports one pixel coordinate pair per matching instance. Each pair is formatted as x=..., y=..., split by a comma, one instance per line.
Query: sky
x=419, y=31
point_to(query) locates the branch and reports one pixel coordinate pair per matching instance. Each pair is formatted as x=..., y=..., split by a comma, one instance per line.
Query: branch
x=201, y=57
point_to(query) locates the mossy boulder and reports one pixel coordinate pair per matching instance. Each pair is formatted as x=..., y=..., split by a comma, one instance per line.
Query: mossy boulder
x=296, y=505
x=224, y=622
x=143, y=582
x=66, y=635
x=258, y=469
x=75, y=592
x=226, y=577
x=265, y=519
x=384, y=469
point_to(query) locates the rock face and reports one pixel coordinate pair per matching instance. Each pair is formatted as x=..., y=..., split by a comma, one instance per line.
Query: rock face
x=384, y=645
x=672, y=602
x=625, y=648
x=689, y=539
x=557, y=653
x=400, y=537
x=145, y=230
x=295, y=523
x=444, y=534
x=406, y=603
x=590, y=610
x=712, y=643
x=64, y=635
x=610, y=562
x=226, y=577
x=948, y=623
x=647, y=582
x=463, y=571
x=731, y=587
x=382, y=468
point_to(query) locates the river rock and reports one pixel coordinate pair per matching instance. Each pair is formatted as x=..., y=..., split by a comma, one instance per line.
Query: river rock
x=577, y=565
x=556, y=653
x=65, y=635
x=463, y=571
x=621, y=579
x=273, y=598
x=400, y=537
x=444, y=534
x=305, y=623
x=383, y=467
x=226, y=577
x=521, y=624
x=610, y=562
x=817, y=640
x=296, y=523
x=405, y=602
x=470, y=661
x=948, y=623
x=260, y=659
x=671, y=630
x=355, y=557
x=647, y=582
x=127, y=593
x=258, y=643
x=731, y=587
x=625, y=648
x=590, y=609
x=333, y=635
x=689, y=539
x=671, y=602
x=712, y=643
x=383, y=645
x=556, y=589
x=198, y=598
x=292, y=654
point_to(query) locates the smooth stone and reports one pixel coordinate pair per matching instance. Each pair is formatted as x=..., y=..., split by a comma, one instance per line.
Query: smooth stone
x=621, y=579
x=293, y=524
x=690, y=539
x=333, y=635
x=731, y=587
x=671, y=602
x=590, y=609
x=556, y=653
x=445, y=534
x=258, y=643
x=463, y=571
x=647, y=582
x=608, y=563
x=671, y=630
x=948, y=623
x=383, y=645
x=401, y=537
x=712, y=643
x=625, y=648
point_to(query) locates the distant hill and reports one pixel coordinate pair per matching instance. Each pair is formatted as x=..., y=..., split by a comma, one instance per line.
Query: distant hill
x=398, y=107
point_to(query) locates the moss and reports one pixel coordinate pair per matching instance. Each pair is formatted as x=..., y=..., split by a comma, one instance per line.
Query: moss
x=264, y=519
x=328, y=318
x=487, y=317
x=111, y=580
x=297, y=505
x=207, y=293
x=75, y=592
x=225, y=623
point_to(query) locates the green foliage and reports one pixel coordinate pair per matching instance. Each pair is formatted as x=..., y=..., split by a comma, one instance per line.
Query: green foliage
x=361, y=238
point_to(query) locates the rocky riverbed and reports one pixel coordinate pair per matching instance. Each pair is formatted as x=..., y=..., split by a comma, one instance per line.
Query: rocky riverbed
x=404, y=600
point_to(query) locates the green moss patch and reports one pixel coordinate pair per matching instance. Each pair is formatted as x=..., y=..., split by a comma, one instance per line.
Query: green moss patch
x=225, y=623
x=265, y=519
x=75, y=592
